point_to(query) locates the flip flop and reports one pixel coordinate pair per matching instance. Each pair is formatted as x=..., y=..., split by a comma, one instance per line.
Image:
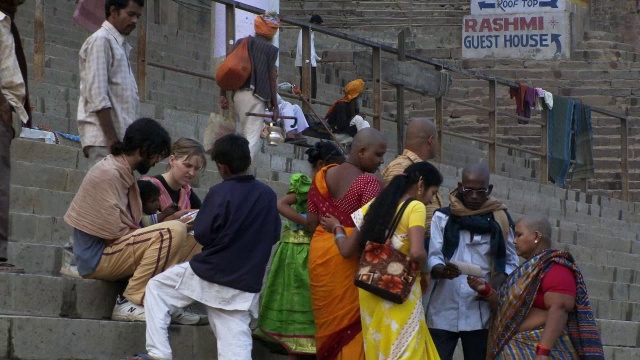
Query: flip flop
x=10, y=268
x=139, y=357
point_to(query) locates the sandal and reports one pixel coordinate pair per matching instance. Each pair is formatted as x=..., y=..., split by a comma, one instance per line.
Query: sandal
x=139, y=357
x=10, y=268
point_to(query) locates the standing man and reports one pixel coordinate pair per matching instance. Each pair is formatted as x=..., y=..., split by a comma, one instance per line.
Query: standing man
x=476, y=229
x=420, y=145
x=260, y=91
x=14, y=111
x=108, y=101
x=317, y=20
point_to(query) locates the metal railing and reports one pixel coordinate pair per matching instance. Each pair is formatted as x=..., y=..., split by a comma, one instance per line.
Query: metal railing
x=492, y=110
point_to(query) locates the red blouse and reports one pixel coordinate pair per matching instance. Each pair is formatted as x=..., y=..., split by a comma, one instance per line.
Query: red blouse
x=559, y=279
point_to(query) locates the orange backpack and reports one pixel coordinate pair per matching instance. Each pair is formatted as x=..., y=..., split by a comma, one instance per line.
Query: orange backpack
x=235, y=70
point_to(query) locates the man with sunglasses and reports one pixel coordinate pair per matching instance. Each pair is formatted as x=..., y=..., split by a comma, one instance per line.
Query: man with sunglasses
x=476, y=229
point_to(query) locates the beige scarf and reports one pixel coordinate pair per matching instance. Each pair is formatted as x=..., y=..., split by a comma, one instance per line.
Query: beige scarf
x=491, y=205
x=108, y=203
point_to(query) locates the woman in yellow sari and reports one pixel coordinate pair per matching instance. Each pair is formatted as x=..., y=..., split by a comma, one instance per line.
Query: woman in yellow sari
x=339, y=190
x=390, y=330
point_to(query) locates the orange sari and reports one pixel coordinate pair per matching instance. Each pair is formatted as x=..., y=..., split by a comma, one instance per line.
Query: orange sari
x=334, y=297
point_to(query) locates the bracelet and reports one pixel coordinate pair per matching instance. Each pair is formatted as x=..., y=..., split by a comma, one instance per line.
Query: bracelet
x=487, y=290
x=338, y=236
x=543, y=350
x=335, y=227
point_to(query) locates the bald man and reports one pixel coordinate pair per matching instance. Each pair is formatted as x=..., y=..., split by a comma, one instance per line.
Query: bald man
x=420, y=145
x=474, y=226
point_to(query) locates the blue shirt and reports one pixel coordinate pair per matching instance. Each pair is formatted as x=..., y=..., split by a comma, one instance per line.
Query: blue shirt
x=87, y=250
x=237, y=225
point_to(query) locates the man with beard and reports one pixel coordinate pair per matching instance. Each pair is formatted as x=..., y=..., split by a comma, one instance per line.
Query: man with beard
x=14, y=111
x=107, y=240
x=108, y=101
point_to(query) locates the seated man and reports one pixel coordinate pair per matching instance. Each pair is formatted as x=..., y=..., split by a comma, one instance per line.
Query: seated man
x=237, y=226
x=105, y=213
x=344, y=116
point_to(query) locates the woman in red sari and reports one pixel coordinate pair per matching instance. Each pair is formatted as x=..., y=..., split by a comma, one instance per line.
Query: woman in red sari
x=340, y=190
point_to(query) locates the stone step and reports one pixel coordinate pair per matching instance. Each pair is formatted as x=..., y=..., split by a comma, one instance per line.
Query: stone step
x=606, y=45
x=621, y=353
x=602, y=35
x=55, y=296
x=620, y=333
x=602, y=55
x=47, y=338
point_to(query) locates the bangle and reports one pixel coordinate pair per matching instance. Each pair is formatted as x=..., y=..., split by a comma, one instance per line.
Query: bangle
x=487, y=290
x=338, y=236
x=335, y=227
x=543, y=350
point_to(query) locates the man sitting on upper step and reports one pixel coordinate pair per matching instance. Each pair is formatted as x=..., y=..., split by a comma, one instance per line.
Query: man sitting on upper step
x=105, y=214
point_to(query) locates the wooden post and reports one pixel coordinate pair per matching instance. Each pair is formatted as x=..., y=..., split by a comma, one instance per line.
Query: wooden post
x=305, y=79
x=544, y=147
x=376, y=63
x=439, y=124
x=400, y=94
x=142, y=55
x=624, y=165
x=230, y=26
x=493, y=125
x=38, y=41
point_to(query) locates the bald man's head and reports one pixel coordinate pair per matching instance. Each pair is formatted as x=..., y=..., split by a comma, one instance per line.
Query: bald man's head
x=475, y=188
x=537, y=223
x=368, y=149
x=421, y=138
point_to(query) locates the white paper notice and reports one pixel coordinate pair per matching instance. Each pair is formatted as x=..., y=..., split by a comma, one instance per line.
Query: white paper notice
x=468, y=269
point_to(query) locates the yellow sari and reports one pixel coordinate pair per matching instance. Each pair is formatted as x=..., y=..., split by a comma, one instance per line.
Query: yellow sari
x=397, y=331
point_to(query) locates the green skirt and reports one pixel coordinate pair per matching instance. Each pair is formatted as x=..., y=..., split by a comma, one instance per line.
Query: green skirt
x=286, y=317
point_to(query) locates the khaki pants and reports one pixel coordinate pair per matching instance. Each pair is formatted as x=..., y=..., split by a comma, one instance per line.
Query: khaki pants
x=250, y=126
x=144, y=254
x=7, y=132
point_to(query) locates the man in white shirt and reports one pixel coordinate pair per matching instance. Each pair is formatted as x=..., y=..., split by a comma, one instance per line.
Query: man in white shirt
x=14, y=111
x=317, y=20
x=108, y=101
x=475, y=228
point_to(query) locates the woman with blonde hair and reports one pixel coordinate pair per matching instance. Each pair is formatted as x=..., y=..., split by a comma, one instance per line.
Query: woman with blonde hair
x=186, y=161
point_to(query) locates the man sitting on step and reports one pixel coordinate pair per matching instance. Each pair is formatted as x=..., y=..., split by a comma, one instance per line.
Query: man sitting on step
x=237, y=226
x=475, y=229
x=105, y=214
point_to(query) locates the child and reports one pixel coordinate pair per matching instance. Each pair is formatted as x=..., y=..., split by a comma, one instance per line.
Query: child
x=290, y=323
x=237, y=225
x=150, y=196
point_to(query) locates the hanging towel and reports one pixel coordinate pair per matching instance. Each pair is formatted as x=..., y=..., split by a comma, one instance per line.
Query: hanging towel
x=529, y=102
x=89, y=14
x=583, y=147
x=539, y=98
x=514, y=92
x=548, y=99
x=559, y=140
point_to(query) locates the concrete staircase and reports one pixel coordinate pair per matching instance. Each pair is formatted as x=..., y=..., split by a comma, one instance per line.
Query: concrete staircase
x=45, y=316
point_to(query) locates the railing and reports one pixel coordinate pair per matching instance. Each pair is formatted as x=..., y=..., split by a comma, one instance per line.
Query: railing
x=377, y=49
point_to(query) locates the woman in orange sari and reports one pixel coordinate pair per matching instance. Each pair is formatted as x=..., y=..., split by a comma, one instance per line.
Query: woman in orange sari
x=340, y=190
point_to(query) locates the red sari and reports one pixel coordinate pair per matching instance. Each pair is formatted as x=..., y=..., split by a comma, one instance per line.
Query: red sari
x=334, y=298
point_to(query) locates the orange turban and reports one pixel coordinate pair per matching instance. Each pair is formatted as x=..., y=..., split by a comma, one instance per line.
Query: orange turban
x=266, y=25
x=351, y=91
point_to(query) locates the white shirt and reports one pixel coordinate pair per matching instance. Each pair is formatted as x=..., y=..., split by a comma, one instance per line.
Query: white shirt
x=11, y=82
x=452, y=304
x=106, y=81
x=314, y=56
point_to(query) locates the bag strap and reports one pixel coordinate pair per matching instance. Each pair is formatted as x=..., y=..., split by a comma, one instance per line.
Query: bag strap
x=396, y=219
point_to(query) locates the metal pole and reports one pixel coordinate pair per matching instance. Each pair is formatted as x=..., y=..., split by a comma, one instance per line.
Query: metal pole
x=306, y=66
x=142, y=55
x=400, y=95
x=493, y=125
x=439, y=124
x=544, y=147
x=38, y=41
x=376, y=63
x=230, y=26
x=624, y=165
